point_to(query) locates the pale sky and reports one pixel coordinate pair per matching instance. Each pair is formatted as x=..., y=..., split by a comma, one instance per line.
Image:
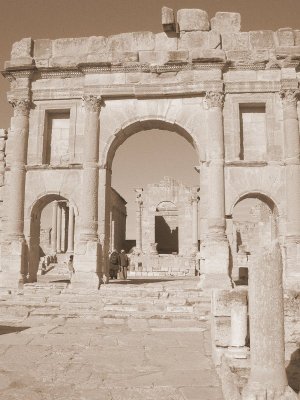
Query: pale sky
x=140, y=160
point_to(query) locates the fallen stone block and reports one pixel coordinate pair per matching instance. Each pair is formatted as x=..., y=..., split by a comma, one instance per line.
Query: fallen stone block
x=168, y=19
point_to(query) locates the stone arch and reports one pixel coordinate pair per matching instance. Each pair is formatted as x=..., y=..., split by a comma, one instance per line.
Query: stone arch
x=254, y=221
x=133, y=126
x=35, y=212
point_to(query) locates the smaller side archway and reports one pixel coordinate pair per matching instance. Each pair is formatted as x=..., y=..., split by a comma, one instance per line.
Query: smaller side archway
x=254, y=223
x=166, y=228
x=52, y=230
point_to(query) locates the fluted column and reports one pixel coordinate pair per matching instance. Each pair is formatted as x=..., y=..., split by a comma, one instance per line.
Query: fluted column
x=292, y=161
x=194, y=203
x=54, y=227
x=71, y=229
x=15, y=223
x=139, y=202
x=216, y=246
x=267, y=378
x=89, y=209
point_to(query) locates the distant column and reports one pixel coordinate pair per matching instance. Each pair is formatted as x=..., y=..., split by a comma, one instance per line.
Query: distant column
x=54, y=227
x=63, y=227
x=59, y=226
x=112, y=234
x=267, y=378
x=139, y=202
x=71, y=230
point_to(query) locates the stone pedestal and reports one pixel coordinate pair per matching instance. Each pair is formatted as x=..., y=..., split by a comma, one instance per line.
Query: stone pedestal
x=86, y=265
x=268, y=378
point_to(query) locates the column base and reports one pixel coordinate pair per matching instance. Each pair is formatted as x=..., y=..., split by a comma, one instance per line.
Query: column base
x=214, y=264
x=256, y=393
x=14, y=264
x=87, y=265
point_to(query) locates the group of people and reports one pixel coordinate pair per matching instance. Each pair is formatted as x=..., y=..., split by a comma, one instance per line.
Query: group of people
x=118, y=264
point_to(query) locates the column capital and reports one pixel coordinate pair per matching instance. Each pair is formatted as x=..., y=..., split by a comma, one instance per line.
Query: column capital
x=92, y=103
x=194, y=197
x=139, y=196
x=21, y=106
x=215, y=99
x=289, y=96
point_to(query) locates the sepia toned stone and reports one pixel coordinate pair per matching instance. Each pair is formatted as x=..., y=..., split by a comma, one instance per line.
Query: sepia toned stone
x=235, y=41
x=285, y=37
x=226, y=22
x=168, y=19
x=262, y=39
x=192, y=20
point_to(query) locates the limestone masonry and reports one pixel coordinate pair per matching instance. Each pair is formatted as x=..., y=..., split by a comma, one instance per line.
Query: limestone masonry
x=234, y=97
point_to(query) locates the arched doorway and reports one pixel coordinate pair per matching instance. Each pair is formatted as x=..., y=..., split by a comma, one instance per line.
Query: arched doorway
x=154, y=232
x=52, y=230
x=255, y=223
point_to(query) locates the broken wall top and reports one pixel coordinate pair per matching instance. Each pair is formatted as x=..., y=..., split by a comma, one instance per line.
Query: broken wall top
x=189, y=38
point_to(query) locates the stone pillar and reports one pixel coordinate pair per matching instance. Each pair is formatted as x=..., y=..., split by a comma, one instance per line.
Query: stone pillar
x=112, y=234
x=267, y=378
x=139, y=202
x=292, y=161
x=59, y=228
x=71, y=229
x=16, y=258
x=216, y=247
x=54, y=227
x=239, y=323
x=194, y=203
x=86, y=259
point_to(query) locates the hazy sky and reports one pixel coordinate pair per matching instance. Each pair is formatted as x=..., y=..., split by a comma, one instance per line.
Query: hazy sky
x=75, y=18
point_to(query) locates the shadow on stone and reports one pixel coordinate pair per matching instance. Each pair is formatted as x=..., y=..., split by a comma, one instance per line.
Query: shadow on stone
x=5, y=329
x=139, y=281
x=293, y=371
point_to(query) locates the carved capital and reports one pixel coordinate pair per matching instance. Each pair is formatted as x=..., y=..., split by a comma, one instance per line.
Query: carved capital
x=214, y=99
x=194, y=197
x=289, y=96
x=21, y=107
x=92, y=103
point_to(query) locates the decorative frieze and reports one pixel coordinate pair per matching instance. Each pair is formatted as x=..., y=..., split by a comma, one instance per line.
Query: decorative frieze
x=289, y=96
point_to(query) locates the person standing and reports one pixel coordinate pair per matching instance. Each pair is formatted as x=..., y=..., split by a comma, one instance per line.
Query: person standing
x=71, y=266
x=114, y=264
x=124, y=262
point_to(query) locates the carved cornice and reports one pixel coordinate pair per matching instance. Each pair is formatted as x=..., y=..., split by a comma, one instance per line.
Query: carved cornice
x=289, y=96
x=214, y=99
x=92, y=103
x=254, y=86
x=21, y=106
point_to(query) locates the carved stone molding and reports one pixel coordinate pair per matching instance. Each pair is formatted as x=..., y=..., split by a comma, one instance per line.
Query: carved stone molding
x=214, y=99
x=92, y=103
x=21, y=107
x=289, y=96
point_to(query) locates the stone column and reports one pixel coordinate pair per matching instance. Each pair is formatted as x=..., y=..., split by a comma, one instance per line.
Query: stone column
x=71, y=229
x=268, y=378
x=239, y=323
x=86, y=259
x=216, y=247
x=54, y=227
x=292, y=161
x=113, y=235
x=59, y=228
x=139, y=202
x=194, y=203
x=15, y=224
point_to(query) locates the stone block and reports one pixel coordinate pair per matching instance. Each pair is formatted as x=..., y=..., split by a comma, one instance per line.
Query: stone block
x=153, y=57
x=133, y=41
x=42, y=48
x=285, y=37
x=102, y=58
x=208, y=55
x=293, y=52
x=22, y=49
x=222, y=331
x=205, y=40
x=192, y=20
x=238, y=55
x=178, y=56
x=226, y=22
x=125, y=56
x=262, y=39
x=168, y=19
x=165, y=42
x=235, y=41
x=297, y=37
x=71, y=47
x=97, y=44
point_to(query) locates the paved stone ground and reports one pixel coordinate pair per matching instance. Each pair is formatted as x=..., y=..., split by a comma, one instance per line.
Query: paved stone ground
x=112, y=357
